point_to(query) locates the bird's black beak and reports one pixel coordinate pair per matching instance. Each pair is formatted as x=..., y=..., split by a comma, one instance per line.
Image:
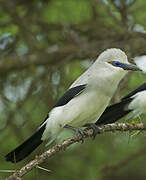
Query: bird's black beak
x=130, y=67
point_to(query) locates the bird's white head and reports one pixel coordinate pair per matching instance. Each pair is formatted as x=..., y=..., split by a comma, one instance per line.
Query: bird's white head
x=116, y=58
x=113, y=54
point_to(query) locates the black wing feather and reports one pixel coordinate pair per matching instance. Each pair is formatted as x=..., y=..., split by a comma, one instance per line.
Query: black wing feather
x=139, y=89
x=114, y=112
x=70, y=94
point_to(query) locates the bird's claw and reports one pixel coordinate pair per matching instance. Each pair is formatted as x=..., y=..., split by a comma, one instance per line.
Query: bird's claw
x=79, y=132
x=94, y=127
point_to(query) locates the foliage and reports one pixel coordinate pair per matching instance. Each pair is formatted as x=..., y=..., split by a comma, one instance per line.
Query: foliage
x=44, y=47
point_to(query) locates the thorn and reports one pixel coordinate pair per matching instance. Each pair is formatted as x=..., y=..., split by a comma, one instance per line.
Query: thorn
x=7, y=170
x=44, y=169
x=135, y=134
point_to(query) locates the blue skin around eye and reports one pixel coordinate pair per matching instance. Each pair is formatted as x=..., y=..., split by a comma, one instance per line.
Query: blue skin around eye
x=117, y=64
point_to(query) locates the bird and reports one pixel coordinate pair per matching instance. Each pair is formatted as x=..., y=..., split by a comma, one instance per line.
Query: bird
x=82, y=104
x=131, y=105
x=140, y=61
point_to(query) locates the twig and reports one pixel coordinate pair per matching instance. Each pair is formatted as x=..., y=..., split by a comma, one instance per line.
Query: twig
x=6, y=171
x=44, y=169
x=89, y=132
x=110, y=13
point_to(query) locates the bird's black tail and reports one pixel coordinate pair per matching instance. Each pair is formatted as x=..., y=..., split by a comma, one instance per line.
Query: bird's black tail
x=116, y=111
x=26, y=147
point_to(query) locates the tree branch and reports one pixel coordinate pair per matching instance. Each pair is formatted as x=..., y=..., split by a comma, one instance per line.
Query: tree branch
x=88, y=49
x=66, y=143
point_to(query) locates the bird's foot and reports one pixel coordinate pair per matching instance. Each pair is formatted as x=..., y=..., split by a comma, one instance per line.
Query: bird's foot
x=94, y=127
x=78, y=131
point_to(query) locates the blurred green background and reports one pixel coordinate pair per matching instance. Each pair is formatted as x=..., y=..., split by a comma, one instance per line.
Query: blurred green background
x=44, y=46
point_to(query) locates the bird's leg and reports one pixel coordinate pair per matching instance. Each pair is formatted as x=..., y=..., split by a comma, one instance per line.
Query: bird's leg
x=77, y=131
x=94, y=127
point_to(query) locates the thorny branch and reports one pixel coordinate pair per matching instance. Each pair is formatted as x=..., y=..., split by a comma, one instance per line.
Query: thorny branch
x=66, y=143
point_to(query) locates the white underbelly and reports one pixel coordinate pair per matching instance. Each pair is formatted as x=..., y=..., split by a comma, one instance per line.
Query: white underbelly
x=89, y=110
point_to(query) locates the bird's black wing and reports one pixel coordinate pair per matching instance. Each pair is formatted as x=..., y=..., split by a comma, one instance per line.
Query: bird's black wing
x=139, y=89
x=35, y=140
x=116, y=111
x=70, y=94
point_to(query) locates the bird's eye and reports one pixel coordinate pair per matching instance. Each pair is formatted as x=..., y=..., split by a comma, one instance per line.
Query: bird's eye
x=116, y=63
